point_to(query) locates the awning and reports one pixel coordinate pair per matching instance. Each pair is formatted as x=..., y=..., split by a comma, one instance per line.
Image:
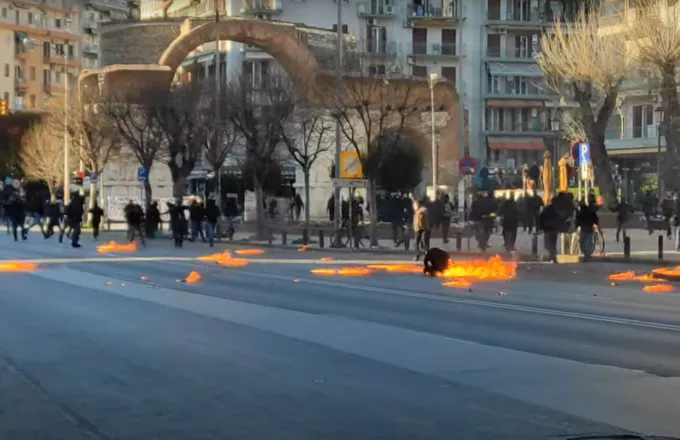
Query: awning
x=513, y=103
x=527, y=144
x=514, y=69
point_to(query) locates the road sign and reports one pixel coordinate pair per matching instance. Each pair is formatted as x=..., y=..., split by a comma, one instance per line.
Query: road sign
x=584, y=154
x=350, y=183
x=94, y=177
x=575, y=149
x=350, y=165
x=468, y=165
x=142, y=174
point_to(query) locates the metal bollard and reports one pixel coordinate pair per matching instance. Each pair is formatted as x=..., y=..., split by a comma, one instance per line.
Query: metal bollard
x=321, y=243
x=270, y=236
x=626, y=247
x=459, y=241
x=660, y=247
x=284, y=238
x=305, y=237
x=534, y=245
x=108, y=224
x=407, y=242
x=357, y=238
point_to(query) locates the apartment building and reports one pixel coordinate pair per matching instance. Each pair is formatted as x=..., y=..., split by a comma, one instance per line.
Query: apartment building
x=40, y=51
x=95, y=12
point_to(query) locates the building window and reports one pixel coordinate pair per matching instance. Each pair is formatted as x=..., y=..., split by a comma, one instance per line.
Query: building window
x=32, y=73
x=57, y=23
x=5, y=96
x=17, y=17
x=345, y=29
x=46, y=49
x=70, y=51
x=7, y=70
x=30, y=18
x=494, y=84
x=59, y=49
x=31, y=100
x=47, y=78
x=4, y=13
x=450, y=74
x=643, y=117
x=420, y=71
x=376, y=69
x=57, y=77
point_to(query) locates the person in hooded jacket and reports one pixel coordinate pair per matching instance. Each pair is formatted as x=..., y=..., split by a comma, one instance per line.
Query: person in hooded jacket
x=16, y=210
x=196, y=215
x=53, y=213
x=550, y=223
x=510, y=223
x=212, y=214
x=178, y=222
x=74, y=216
x=153, y=219
x=97, y=214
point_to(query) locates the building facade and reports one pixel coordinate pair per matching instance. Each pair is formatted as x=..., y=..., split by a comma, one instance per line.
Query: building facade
x=95, y=12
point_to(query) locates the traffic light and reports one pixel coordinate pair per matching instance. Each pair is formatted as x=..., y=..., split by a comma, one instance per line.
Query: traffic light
x=4, y=108
x=77, y=178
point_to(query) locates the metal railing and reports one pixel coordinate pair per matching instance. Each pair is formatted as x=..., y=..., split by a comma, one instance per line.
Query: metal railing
x=381, y=47
x=364, y=8
x=432, y=12
x=434, y=49
x=517, y=52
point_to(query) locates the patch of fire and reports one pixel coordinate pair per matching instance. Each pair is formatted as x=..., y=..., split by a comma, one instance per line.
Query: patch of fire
x=113, y=246
x=631, y=276
x=18, y=266
x=249, y=252
x=659, y=288
x=397, y=268
x=459, y=284
x=343, y=272
x=224, y=259
x=193, y=277
x=667, y=273
x=493, y=269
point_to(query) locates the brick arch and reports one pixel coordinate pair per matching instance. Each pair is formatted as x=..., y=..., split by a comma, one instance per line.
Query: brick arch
x=280, y=42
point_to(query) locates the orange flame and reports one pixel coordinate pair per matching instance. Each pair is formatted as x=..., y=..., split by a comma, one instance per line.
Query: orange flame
x=249, y=252
x=112, y=246
x=17, y=266
x=343, y=272
x=659, y=288
x=493, y=269
x=667, y=272
x=397, y=268
x=630, y=276
x=460, y=284
x=233, y=262
x=224, y=259
x=193, y=277
x=326, y=259
x=303, y=248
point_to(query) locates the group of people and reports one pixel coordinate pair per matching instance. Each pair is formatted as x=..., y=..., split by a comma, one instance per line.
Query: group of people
x=48, y=216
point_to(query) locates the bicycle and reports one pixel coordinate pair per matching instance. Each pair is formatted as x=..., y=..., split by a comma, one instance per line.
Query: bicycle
x=596, y=245
x=344, y=235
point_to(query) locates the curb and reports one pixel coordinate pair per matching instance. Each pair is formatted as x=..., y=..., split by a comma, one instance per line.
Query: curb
x=635, y=261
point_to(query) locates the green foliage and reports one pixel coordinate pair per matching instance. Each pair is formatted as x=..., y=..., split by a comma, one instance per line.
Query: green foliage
x=395, y=165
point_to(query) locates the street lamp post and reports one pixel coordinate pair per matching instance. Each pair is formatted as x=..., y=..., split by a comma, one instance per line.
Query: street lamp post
x=435, y=154
x=659, y=128
x=556, y=127
x=337, y=219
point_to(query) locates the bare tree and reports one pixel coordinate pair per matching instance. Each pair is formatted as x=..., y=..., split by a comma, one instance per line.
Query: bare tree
x=137, y=127
x=653, y=30
x=92, y=134
x=373, y=109
x=42, y=156
x=307, y=134
x=257, y=113
x=221, y=137
x=583, y=64
x=181, y=116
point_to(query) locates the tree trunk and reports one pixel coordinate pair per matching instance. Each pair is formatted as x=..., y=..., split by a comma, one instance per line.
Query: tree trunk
x=603, y=176
x=670, y=126
x=306, y=227
x=179, y=186
x=148, y=195
x=373, y=211
x=93, y=198
x=260, y=221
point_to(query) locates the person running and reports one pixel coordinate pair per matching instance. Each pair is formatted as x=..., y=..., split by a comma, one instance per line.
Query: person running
x=74, y=217
x=97, y=214
x=212, y=214
x=53, y=213
x=16, y=210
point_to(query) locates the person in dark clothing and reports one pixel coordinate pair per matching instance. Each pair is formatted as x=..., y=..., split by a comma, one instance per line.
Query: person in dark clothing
x=622, y=217
x=153, y=219
x=17, y=215
x=447, y=213
x=74, y=217
x=298, y=204
x=586, y=220
x=649, y=203
x=53, y=213
x=550, y=223
x=510, y=223
x=330, y=208
x=97, y=214
x=196, y=215
x=134, y=215
x=435, y=261
x=668, y=212
x=178, y=222
x=212, y=214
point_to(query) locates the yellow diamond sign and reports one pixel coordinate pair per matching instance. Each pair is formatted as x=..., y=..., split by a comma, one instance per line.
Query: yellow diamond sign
x=350, y=165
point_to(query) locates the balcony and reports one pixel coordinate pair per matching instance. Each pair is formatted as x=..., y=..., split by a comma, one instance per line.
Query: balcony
x=90, y=49
x=433, y=52
x=528, y=19
x=526, y=92
x=90, y=24
x=109, y=4
x=371, y=10
x=254, y=7
x=428, y=15
x=20, y=84
x=523, y=129
x=517, y=54
x=635, y=140
x=381, y=48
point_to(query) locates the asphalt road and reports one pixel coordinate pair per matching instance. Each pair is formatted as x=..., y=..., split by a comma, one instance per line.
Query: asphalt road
x=119, y=349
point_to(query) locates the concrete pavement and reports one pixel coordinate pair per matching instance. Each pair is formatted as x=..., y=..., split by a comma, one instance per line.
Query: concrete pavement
x=90, y=350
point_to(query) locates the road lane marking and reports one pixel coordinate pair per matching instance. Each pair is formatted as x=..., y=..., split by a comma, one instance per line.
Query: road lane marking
x=481, y=303
x=122, y=259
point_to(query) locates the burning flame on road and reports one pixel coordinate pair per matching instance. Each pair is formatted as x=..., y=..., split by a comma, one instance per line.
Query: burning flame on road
x=397, y=268
x=193, y=277
x=460, y=284
x=15, y=266
x=630, y=276
x=249, y=252
x=224, y=259
x=112, y=246
x=343, y=272
x=659, y=288
x=493, y=269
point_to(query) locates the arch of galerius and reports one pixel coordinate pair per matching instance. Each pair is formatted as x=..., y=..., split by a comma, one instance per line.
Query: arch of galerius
x=305, y=53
